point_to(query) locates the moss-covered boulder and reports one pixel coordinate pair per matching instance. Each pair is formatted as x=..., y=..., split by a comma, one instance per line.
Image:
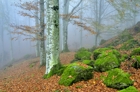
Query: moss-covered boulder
x=136, y=61
x=130, y=44
x=129, y=89
x=75, y=72
x=103, y=52
x=89, y=62
x=106, y=63
x=135, y=51
x=56, y=69
x=117, y=78
x=83, y=54
x=99, y=51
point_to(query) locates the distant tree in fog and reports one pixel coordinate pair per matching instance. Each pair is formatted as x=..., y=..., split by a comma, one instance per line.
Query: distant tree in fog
x=100, y=11
x=127, y=10
x=35, y=33
x=5, y=21
x=1, y=31
x=67, y=15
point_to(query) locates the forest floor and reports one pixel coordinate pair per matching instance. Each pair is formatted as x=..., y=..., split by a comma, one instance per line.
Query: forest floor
x=27, y=76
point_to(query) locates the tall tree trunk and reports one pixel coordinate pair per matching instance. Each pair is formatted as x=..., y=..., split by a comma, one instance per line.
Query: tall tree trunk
x=11, y=49
x=96, y=27
x=65, y=25
x=52, y=44
x=2, y=46
x=98, y=20
x=42, y=41
x=81, y=29
x=37, y=28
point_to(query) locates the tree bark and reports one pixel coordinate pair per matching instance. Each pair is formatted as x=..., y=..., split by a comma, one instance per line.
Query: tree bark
x=37, y=28
x=52, y=29
x=42, y=40
x=65, y=25
x=81, y=29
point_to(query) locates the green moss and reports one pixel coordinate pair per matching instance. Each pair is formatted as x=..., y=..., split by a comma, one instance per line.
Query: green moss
x=79, y=86
x=130, y=44
x=103, y=52
x=135, y=51
x=124, y=57
x=136, y=60
x=99, y=51
x=106, y=63
x=2, y=91
x=56, y=69
x=129, y=89
x=83, y=54
x=118, y=79
x=89, y=62
x=75, y=72
x=32, y=64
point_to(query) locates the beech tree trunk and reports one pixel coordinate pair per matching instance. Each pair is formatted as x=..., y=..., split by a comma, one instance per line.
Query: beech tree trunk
x=65, y=25
x=52, y=31
x=81, y=29
x=37, y=28
x=98, y=19
x=42, y=40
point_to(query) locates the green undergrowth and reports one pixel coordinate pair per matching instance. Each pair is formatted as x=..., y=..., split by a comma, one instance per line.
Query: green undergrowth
x=130, y=44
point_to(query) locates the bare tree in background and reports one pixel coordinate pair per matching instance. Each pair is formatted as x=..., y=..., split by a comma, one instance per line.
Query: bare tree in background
x=35, y=33
x=66, y=19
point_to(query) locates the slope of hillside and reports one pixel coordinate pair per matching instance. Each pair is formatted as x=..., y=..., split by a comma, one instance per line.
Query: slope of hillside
x=26, y=76
x=127, y=34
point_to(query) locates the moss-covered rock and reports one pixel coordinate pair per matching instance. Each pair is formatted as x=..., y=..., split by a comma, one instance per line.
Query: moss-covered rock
x=136, y=60
x=130, y=44
x=83, y=54
x=135, y=51
x=118, y=79
x=106, y=63
x=89, y=62
x=129, y=89
x=103, y=52
x=56, y=69
x=99, y=51
x=76, y=72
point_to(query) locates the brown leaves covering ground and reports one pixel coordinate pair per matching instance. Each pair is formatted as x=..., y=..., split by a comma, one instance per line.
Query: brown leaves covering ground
x=27, y=77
